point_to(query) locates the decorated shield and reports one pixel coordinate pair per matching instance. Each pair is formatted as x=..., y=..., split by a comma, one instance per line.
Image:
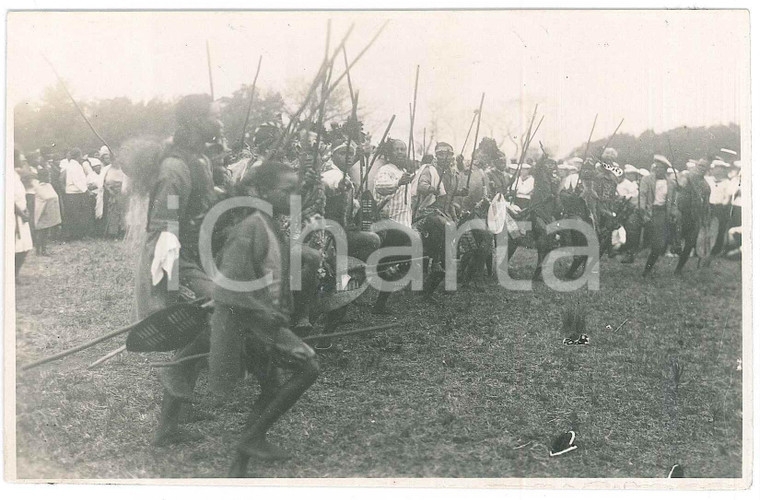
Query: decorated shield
x=170, y=328
x=336, y=292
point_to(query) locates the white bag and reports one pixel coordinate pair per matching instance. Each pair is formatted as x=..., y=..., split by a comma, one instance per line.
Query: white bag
x=618, y=237
x=497, y=214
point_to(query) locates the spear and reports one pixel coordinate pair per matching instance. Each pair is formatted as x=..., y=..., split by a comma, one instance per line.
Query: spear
x=528, y=136
x=533, y=135
x=379, y=147
x=348, y=75
x=432, y=140
x=250, y=103
x=77, y=106
x=325, y=85
x=309, y=339
x=475, y=144
x=588, y=143
x=289, y=132
x=424, y=138
x=355, y=101
x=365, y=49
x=612, y=136
x=472, y=124
x=412, y=113
x=210, y=77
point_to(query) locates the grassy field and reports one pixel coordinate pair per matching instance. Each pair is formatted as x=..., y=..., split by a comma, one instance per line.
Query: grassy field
x=475, y=386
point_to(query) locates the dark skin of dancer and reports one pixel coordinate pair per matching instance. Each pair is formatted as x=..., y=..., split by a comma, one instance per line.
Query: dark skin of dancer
x=269, y=348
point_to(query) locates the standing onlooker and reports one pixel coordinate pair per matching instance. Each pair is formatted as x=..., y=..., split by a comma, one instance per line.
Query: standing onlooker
x=28, y=175
x=720, y=201
x=694, y=206
x=77, y=216
x=112, y=197
x=628, y=188
x=104, y=157
x=735, y=193
x=47, y=211
x=658, y=201
x=23, y=241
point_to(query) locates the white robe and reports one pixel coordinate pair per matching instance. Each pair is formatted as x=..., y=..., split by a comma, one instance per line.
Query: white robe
x=23, y=232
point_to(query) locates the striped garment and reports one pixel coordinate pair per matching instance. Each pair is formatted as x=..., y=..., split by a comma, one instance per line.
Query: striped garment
x=396, y=201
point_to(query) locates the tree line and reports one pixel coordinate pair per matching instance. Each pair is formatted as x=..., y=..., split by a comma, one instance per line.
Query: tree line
x=54, y=125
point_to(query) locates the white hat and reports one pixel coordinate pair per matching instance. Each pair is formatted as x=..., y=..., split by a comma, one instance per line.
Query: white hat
x=644, y=172
x=525, y=166
x=718, y=163
x=738, y=164
x=690, y=164
x=663, y=160
x=572, y=167
x=576, y=160
x=630, y=169
x=104, y=151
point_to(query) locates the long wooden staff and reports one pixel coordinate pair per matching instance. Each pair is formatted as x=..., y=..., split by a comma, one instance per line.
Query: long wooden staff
x=523, y=152
x=472, y=124
x=290, y=129
x=348, y=75
x=325, y=84
x=379, y=147
x=413, y=113
x=311, y=338
x=525, y=146
x=612, y=136
x=78, y=108
x=475, y=144
x=356, y=59
x=588, y=142
x=250, y=103
x=532, y=135
x=354, y=118
x=81, y=347
x=210, y=75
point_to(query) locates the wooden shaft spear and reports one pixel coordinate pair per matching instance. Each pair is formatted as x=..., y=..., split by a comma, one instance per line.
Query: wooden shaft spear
x=475, y=144
x=588, y=142
x=250, y=103
x=210, y=76
x=87, y=121
x=412, y=113
x=472, y=124
x=378, y=149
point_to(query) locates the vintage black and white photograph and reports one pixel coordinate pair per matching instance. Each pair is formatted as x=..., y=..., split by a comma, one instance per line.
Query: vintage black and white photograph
x=408, y=245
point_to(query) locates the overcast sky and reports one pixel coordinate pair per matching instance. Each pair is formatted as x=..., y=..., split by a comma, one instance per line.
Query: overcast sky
x=656, y=69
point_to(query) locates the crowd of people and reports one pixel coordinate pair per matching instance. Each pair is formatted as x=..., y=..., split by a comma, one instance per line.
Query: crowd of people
x=377, y=193
x=66, y=199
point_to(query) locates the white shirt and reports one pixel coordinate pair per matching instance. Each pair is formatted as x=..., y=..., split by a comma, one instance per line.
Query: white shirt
x=570, y=182
x=23, y=241
x=397, y=199
x=524, y=187
x=660, y=192
x=628, y=189
x=720, y=192
x=76, y=178
x=435, y=181
x=735, y=190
